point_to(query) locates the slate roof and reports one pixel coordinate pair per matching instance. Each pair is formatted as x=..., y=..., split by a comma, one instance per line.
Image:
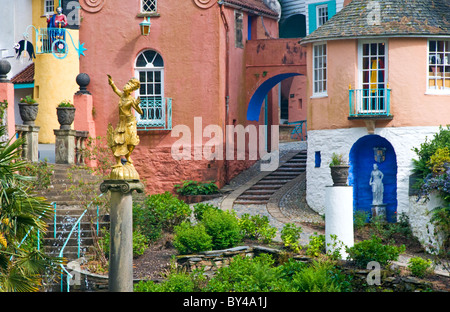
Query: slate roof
x=257, y=6
x=397, y=18
x=25, y=76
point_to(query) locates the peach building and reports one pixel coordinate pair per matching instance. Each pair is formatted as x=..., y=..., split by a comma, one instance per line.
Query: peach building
x=378, y=84
x=193, y=73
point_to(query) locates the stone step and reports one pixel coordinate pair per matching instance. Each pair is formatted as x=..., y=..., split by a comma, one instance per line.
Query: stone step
x=264, y=191
x=250, y=202
x=253, y=197
x=273, y=187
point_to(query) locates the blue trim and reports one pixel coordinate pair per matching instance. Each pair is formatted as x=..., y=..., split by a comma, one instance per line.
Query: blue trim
x=23, y=85
x=312, y=16
x=254, y=106
x=249, y=27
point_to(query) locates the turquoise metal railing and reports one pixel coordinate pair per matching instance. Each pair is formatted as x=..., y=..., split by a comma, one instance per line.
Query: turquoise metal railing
x=370, y=102
x=51, y=40
x=298, y=132
x=157, y=114
x=77, y=225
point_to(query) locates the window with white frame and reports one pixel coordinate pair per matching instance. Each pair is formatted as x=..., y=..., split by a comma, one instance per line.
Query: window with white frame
x=439, y=65
x=149, y=70
x=320, y=69
x=372, y=77
x=49, y=7
x=148, y=6
x=321, y=14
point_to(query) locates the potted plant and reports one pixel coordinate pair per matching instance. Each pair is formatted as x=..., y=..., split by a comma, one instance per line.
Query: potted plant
x=66, y=114
x=339, y=170
x=28, y=109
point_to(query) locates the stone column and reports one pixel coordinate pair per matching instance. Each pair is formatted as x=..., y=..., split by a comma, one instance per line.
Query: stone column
x=64, y=146
x=121, y=233
x=30, y=148
x=339, y=218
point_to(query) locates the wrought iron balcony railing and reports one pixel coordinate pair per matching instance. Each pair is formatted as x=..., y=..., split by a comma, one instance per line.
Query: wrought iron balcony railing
x=51, y=40
x=370, y=102
x=157, y=114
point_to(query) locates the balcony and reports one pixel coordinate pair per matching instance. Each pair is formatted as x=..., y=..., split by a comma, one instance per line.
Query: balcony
x=157, y=114
x=370, y=104
x=51, y=40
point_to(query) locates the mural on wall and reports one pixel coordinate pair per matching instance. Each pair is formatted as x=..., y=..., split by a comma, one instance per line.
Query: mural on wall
x=371, y=156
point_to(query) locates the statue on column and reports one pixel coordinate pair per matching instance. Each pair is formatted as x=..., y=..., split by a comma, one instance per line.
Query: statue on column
x=124, y=138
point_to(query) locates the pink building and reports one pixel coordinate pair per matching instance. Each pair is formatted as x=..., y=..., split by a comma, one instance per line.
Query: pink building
x=196, y=74
x=378, y=84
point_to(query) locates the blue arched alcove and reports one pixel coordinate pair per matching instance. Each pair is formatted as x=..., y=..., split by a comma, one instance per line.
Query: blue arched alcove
x=362, y=157
x=254, y=106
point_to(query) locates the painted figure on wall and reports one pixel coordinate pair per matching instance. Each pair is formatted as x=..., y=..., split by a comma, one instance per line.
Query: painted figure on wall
x=376, y=181
x=124, y=138
x=57, y=20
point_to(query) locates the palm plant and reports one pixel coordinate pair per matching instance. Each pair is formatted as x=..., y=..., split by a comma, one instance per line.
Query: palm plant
x=22, y=214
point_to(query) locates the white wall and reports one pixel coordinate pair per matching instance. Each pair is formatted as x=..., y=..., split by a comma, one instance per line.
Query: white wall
x=15, y=16
x=403, y=139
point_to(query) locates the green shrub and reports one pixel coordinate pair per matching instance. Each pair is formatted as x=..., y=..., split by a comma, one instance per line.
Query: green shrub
x=318, y=277
x=176, y=281
x=140, y=242
x=419, y=267
x=257, y=227
x=200, y=208
x=290, y=234
x=246, y=274
x=360, y=219
x=316, y=245
x=373, y=250
x=160, y=212
x=191, y=239
x=223, y=227
x=190, y=187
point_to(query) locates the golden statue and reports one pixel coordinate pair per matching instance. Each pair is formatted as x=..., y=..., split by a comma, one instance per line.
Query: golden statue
x=124, y=138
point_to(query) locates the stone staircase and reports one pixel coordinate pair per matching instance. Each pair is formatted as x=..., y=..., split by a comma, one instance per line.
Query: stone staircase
x=67, y=211
x=261, y=192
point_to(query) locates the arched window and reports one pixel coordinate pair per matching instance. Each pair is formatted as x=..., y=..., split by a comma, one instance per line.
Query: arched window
x=149, y=69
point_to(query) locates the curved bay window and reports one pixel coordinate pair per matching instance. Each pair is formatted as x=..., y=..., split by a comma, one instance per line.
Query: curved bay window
x=157, y=110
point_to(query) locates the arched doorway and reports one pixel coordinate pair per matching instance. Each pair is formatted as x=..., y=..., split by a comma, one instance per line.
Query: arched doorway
x=367, y=151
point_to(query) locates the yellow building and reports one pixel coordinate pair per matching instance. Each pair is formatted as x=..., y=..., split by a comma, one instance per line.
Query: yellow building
x=55, y=71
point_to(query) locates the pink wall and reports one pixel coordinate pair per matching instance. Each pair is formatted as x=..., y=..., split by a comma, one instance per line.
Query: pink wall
x=407, y=73
x=7, y=93
x=193, y=44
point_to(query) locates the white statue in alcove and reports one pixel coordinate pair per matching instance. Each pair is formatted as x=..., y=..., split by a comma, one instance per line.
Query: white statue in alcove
x=376, y=181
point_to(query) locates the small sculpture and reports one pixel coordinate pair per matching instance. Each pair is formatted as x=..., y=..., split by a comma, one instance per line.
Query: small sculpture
x=124, y=138
x=376, y=181
x=57, y=20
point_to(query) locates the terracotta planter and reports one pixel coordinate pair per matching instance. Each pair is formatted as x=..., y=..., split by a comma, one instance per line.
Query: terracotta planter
x=339, y=174
x=28, y=113
x=66, y=116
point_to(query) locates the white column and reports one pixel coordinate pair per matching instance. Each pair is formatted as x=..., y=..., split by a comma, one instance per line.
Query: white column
x=339, y=218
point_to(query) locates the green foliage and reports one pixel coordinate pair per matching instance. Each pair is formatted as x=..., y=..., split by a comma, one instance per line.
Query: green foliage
x=359, y=219
x=290, y=235
x=176, y=281
x=191, y=239
x=257, y=227
x=419, y=267
x=200, y=208
x=248, y=275
x=22, y=214
x=318, y=277
x=65, y=103
x=374, y=250
x=3, y=107
x=160, y=212
x=428, y=149
x=316, y=245
x=41, y=173
x=28, y=100
x=223, y=227
x=189, y=187
x=140, y=242
x=337, y=160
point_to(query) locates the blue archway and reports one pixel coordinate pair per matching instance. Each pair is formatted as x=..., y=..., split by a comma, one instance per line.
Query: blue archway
x=362, y=158
x=254, y=106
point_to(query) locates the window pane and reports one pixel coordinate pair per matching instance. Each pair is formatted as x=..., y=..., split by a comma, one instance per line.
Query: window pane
x=149, y=76
x=157, y=76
